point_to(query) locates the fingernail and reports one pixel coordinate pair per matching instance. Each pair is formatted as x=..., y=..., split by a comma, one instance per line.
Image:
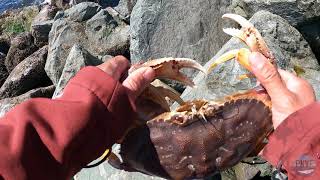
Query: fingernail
x=149, y=74
x=257, y=60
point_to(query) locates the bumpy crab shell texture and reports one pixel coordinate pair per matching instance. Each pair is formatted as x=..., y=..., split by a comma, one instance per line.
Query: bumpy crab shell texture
x=198, y=139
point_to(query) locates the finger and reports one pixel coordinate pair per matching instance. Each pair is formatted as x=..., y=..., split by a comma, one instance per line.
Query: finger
x=115, y=66
x=267, y=74
x=296, y=84
x=137, y=81
x=287, y=76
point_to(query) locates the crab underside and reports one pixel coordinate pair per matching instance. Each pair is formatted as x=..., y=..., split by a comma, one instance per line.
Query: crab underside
x=200, y=137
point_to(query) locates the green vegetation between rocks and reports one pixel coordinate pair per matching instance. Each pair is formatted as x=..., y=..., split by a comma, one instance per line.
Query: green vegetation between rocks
x=19, y=21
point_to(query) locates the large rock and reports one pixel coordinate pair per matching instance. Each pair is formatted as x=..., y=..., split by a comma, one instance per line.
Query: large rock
x=124, y=8
x=177, y=29
x=78, y=58
x=107, y=35
x=99, y=32
x=29, y=74
x=294, y=11
x=41, y=25
x=288, y=46
x=8, y=103
x=21, y=47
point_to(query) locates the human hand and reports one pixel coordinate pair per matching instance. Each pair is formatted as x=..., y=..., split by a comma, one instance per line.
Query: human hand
x=136, y=82
x=288, y=92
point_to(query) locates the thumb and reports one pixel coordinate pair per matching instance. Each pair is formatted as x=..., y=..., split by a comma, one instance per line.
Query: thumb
x=267, y=74
x=137, y=81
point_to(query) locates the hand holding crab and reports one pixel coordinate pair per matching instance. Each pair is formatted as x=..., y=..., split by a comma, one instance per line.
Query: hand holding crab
x=288, y=92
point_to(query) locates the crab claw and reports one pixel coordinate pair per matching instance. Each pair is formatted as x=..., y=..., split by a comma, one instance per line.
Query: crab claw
x=170, y=68
x=166, y=68
x=248, y=34
x=241, y=55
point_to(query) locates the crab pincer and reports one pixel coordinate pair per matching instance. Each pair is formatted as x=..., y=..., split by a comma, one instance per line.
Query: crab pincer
x=168, y=68
x=251, y=37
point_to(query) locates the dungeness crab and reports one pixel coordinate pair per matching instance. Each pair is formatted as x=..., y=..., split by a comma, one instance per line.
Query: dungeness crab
x=200, y=137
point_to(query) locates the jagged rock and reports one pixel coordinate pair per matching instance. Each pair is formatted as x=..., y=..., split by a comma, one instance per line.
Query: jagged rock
x=3, y=70
x=82, y=12
x=124, y=8
x=107, y=35
x=42, y=23
x=100, y=35
x=40, y=32
x=29, y=74
x=177, y=29
x=294, y=11
x=8, y=103
x=47, y=12
x=78, y=58
x=287, y=44
x=21, y=47
x=65, y=4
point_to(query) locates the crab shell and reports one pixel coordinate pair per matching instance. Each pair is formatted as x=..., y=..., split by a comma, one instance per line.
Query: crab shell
x=199, y=138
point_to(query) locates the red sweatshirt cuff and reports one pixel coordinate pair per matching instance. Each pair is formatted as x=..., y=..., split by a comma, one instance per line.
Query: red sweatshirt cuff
x=290, y=133
x=111, y=93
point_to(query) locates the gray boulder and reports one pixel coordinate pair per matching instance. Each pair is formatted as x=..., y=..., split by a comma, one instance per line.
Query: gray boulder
x=78, y=58
x=107, y=35
x=40, y=32
x=124, y=8
x=42, y=23
x=8, y=103
x=99, y=33
x=21, y=47
x=288, y=46
x=293, y=11
x=28, y=75
x=82, y=12
x=177, y=29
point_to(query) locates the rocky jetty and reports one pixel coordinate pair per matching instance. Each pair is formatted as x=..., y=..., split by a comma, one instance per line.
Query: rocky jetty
x=43, y=47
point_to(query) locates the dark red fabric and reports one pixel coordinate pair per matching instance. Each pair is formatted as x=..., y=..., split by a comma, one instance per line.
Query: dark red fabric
x=53, y=139
x=295, y=144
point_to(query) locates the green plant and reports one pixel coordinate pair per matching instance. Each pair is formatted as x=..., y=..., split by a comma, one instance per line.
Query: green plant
x=14, y=27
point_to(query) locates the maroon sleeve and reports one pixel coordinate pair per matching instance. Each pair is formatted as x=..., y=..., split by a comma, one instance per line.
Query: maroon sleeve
x=295, y=144
x=53, y=139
